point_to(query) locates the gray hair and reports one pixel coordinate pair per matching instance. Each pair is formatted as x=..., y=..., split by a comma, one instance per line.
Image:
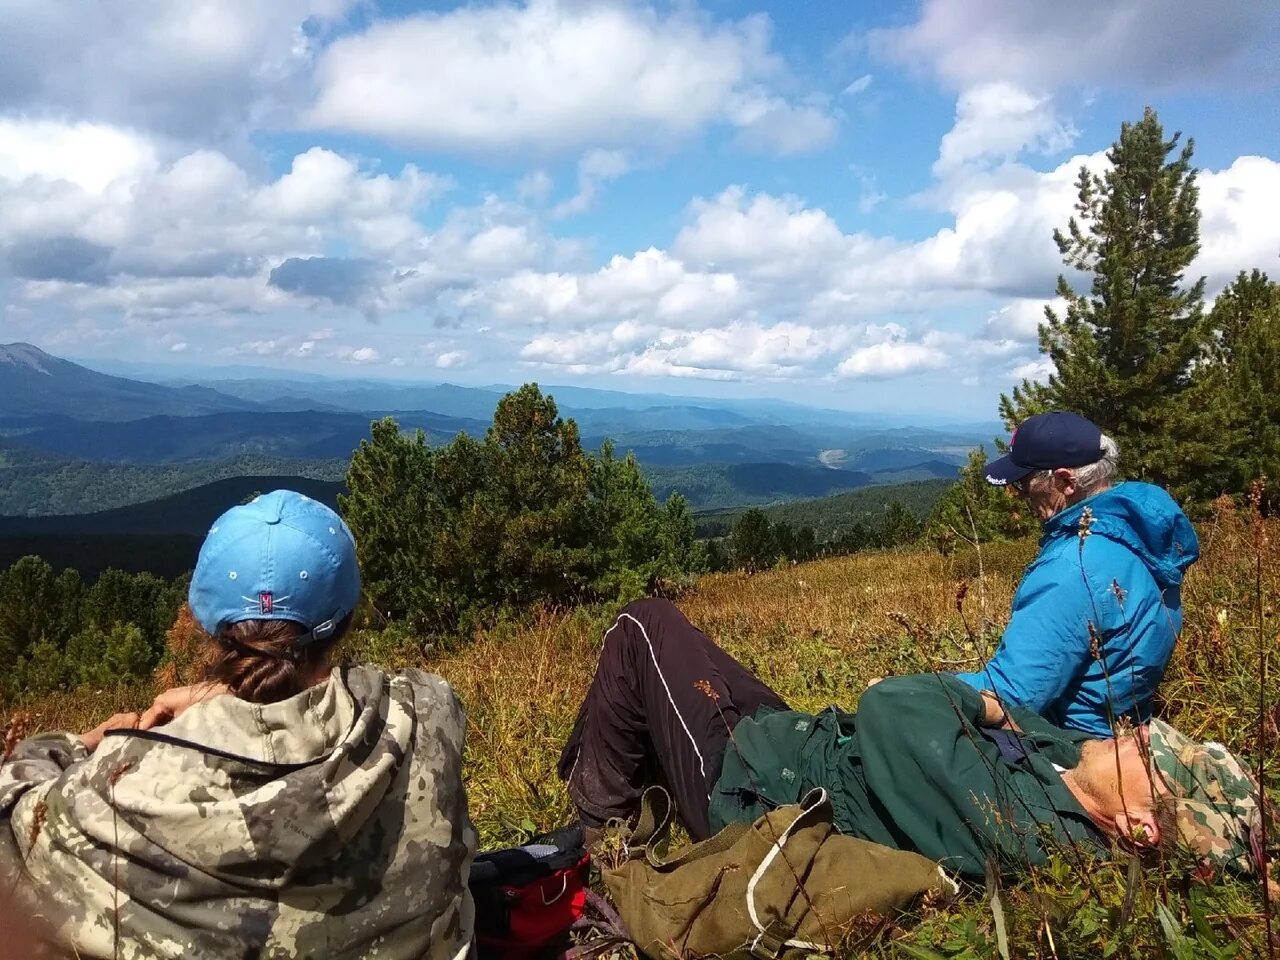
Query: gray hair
x=1097, y=476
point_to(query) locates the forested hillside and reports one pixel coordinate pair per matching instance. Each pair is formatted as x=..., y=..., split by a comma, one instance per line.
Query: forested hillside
x=832, y=516
x=35, y=484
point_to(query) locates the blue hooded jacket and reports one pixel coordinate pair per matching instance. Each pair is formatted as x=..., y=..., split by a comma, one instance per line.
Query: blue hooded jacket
x=1124, y=578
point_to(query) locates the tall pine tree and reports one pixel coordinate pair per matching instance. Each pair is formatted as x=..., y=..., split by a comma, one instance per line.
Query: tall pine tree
x=1246, y=323
x=1128, y=351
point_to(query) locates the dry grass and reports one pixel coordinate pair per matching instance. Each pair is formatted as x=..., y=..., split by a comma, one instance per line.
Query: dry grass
x=817, y=632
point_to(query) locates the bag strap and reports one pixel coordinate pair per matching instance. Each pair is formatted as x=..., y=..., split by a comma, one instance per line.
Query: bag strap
x=653, y=827
x=719, y=843
x=815, y=807
x=654, y=822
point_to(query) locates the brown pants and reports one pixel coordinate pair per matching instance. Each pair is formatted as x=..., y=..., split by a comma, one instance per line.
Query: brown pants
x=661, y=707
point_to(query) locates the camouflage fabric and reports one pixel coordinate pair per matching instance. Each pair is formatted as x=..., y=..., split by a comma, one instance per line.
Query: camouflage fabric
x=1215, y=798
x=332, y=824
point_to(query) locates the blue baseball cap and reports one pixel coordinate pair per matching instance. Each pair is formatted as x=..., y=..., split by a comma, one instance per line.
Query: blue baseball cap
x=1047, y=441
x=281, y=557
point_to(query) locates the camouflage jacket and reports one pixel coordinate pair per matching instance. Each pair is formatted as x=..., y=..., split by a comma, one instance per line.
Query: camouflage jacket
x=332, y=824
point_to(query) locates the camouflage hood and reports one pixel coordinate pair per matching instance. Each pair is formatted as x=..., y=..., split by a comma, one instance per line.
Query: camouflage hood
x=332, y=824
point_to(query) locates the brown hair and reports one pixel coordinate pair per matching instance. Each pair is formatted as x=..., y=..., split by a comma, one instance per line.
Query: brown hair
x=260, y=661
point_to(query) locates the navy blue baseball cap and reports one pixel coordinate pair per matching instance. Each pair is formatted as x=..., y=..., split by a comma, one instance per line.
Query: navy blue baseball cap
x=1047, y=441
x=281, y=557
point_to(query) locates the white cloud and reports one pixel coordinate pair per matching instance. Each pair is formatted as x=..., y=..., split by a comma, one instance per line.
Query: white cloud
x=762, y=235
x=772, y=124
x=650, y=284
x=870, y=195
x=134, y=229
x=535, y=187
x=1038, y=370
x=999, y=121
x=91, y=156
x=1240, y=220
x=1142, y=43
x=775, y=288
x=356, y=355
x=451, y=359
x=1019, y=319
x=892, y=359
x=858, y=86
x=553, y=75
x=195, y=71
x=595, y=169
x=258, y=348
x=739, y=350
x=999, y=240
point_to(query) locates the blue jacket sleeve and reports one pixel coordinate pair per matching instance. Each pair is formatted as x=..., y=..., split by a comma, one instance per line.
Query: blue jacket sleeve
x=1046, y=644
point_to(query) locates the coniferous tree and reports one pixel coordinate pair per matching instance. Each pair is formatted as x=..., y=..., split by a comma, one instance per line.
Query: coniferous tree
x=31, y=608
x=752, y=542
x=1246, y=323
x=452, y=536
x=973, y=511
x=899, y=526
x=1126, y=352
x=681, y=557
x=806, y=544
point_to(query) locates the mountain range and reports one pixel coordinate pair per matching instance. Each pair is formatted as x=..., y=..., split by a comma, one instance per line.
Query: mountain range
x=75, y=440
x=34, y=383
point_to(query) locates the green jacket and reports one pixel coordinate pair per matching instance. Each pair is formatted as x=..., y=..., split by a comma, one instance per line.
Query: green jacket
x=913, y=770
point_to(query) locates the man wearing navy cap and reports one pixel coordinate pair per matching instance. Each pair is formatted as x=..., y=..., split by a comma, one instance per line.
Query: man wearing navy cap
x=1097, y=613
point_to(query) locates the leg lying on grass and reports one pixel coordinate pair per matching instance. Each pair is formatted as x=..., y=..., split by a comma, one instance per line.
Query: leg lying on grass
x=663, y=690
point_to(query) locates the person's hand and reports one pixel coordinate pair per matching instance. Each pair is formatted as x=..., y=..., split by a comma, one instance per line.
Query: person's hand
x=172, y=703
x=121, y=721
x=993, y=712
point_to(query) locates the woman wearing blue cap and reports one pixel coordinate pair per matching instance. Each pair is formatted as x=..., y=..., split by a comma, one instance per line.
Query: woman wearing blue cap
x=284, y=808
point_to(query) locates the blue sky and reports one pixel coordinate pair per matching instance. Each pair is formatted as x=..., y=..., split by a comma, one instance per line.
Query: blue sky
x=836, y=203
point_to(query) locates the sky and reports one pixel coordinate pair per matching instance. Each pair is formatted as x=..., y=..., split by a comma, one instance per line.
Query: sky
x=846, y=204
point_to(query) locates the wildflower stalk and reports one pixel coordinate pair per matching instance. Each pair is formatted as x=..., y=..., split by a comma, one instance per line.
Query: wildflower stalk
x=1259, y=543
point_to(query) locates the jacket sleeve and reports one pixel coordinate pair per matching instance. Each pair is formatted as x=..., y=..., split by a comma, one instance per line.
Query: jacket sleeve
x=932, y=774
x=34, y=761
x=1046, y=644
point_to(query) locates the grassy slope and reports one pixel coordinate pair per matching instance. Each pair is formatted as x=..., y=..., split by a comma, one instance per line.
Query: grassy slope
x=817, y=632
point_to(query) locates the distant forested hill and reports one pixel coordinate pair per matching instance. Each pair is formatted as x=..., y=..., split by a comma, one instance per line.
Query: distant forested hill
x=715, y=485
x=834, y=515
x=33, y=484
x=306, y=435
x=190, y=511
x=160, y=536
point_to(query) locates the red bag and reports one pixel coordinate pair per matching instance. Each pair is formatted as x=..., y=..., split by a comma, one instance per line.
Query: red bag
x=528, y=897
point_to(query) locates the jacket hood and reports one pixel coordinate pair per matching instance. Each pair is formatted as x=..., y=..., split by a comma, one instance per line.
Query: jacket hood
x=287, y=785
x=323, y=825
x=1142, y=517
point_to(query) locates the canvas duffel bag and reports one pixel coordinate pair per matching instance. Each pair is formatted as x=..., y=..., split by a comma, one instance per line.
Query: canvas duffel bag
x=785, y=886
